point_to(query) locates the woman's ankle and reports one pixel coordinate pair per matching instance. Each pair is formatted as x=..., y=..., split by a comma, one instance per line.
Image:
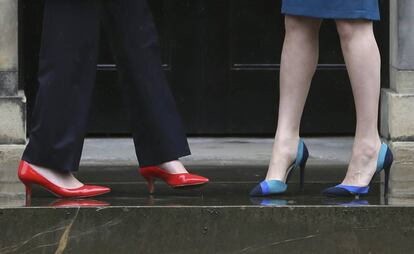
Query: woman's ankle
x=283, y=155
x=286, y=139
x=366, y=145
x=173, y=167
x=61, y=179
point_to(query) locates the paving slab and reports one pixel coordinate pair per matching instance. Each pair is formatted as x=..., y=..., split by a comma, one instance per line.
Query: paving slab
x=217, y=151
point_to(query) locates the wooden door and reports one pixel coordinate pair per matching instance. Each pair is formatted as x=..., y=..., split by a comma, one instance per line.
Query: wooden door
x=222, y=60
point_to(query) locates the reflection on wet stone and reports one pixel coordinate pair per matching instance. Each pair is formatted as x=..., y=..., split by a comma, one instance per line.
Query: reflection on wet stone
x=214, y=194
x=218, y=218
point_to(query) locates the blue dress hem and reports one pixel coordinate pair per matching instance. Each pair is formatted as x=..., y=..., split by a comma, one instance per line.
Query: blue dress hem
x=331, y=14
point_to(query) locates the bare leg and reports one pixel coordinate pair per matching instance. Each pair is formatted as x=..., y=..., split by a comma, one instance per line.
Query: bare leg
x=298, y=65
x=363, y=62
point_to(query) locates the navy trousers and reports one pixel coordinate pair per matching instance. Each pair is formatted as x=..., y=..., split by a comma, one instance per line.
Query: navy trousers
x=67, y=71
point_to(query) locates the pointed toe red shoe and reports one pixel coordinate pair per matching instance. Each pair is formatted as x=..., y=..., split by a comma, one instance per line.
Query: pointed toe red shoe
x=29, y=177
x=182, y=180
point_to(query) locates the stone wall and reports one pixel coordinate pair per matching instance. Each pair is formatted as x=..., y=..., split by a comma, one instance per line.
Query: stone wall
x=12, y=101
x=397, y=102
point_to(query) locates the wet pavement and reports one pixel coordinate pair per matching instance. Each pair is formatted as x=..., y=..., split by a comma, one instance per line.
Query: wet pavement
x=129, y=189
x=217, y=218
x=234, y=166
x=215, y=194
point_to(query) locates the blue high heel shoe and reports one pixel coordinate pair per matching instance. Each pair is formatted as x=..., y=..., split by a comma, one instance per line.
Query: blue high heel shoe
x=272, y=187
x=384, y=162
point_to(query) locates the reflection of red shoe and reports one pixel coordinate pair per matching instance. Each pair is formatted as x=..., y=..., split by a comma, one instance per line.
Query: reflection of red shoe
x=174, y=180
x=29, y=177
x=78, y=203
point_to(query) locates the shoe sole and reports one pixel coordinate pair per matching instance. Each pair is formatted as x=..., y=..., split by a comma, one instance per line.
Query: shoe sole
x=189, y=186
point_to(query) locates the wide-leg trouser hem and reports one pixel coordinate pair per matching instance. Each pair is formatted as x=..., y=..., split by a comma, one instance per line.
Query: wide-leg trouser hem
x=67, y=70
x=36, y=159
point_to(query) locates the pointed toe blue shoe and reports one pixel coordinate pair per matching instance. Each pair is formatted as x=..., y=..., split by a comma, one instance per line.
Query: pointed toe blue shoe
x=270, y=187
x=345, y=191
x=274, y=187
x=384, y=162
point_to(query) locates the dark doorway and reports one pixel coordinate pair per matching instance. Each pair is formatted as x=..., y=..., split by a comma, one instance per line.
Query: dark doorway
x=222, y=60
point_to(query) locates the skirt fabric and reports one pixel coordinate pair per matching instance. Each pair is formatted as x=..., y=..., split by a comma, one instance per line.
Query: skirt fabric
x=333, y=9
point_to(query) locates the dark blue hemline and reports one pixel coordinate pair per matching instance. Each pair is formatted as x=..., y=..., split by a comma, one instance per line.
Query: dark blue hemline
x=331, y=14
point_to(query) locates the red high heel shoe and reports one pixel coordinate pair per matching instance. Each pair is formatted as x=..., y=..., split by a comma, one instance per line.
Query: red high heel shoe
x=29, y=177
x=183, y=180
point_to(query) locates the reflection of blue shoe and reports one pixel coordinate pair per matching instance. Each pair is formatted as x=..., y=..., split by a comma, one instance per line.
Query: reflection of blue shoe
x=355, y=202
x=385, y=159
x=271, y=187
x=269, y=202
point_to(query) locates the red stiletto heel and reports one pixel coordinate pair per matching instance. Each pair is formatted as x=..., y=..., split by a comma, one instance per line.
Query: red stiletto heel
x=182, y=180
x=151, y=186
x=29, y=177
x=28, y=194
x=28, y=191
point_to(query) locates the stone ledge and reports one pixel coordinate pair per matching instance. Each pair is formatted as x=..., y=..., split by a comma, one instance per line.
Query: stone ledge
x=10, y=156
x=13, y=120
x=402, y=172
x=402, y=200
x=397, y=117
x=8, y=83
x=402, y=80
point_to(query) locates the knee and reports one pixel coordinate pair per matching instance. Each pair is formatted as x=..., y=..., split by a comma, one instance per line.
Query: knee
x=292, y=24
x=349, y=29
x=301, y=25
x=346, y=30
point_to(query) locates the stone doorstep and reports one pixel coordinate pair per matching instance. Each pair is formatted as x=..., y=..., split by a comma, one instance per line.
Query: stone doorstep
x=325, y=165
x=213, y=152
x=219, y=152
x=201, y=229
x=221, y=159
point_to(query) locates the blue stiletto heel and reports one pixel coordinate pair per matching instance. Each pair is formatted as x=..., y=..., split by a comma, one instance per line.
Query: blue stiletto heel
x=273, y=187
x=384, y=162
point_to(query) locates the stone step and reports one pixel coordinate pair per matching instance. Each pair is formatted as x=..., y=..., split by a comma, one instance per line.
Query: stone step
x=213, y=194
x=314, y=173
x=218, y=218
x=207, y=229
x=220, y=159
x=217, y=151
